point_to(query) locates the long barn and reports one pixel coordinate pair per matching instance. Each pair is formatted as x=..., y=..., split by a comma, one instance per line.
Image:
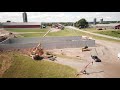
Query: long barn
x=21, y=25
x=108, y=26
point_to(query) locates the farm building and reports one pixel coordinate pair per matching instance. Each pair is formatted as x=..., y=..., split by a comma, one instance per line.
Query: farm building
x=58, y=26
x=21, y=25
x=108, y=26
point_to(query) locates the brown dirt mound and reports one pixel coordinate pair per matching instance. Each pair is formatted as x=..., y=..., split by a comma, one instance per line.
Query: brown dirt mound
x=5, y=63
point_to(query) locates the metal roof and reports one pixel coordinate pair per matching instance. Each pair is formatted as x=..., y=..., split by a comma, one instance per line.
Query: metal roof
x=111, y=24
x=21, y=23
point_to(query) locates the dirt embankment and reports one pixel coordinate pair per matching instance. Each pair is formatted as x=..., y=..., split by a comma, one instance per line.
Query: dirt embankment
x=4, y=34
x=5, y=62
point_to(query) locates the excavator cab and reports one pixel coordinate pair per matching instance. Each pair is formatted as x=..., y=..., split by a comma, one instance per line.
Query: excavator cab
x=85, y=48
x=37, y=53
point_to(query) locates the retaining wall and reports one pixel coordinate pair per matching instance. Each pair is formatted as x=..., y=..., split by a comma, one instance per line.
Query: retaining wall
x=47, y=42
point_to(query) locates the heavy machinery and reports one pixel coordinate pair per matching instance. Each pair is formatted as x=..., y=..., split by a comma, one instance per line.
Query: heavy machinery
x=96, y=58
x=83, y=71
x=85, y=48
x=37, y=52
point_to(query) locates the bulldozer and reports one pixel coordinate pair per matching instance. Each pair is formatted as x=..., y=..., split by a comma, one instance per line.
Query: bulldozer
x=85, y=48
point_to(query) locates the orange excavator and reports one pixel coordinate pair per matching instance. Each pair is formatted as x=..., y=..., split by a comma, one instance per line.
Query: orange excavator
x=37, y=52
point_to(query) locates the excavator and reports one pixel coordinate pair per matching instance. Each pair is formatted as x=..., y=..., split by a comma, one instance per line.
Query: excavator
x=85, y=48
x=37, y=52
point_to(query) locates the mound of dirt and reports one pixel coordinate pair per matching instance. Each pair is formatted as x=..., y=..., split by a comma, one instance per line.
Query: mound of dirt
x=2, y=38
x=5, y=63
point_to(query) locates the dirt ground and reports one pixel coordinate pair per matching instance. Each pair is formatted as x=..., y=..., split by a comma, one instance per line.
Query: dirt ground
x=106, y=51
x=3, y=32
x=75, y=58
x=6, y=34
x=54, y=30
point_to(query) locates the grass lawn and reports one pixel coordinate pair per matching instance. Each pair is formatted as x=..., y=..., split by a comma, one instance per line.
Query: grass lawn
x=103, y=38
x=68, y=32
x=27, y=30
x=25, y=67
x=32, y=34
x=110, y=33
x=90, y=29
x=95, y=30
x=99, y=37
x=65, y=32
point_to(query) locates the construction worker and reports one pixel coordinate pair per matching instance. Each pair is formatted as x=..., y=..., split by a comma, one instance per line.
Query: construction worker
x=118, y=56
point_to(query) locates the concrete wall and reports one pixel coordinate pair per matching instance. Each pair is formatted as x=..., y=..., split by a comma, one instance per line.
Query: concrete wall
x=47, y=43
x=40, y=39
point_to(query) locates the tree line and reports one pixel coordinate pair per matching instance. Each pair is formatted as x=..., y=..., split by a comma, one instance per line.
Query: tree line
x=63, y=23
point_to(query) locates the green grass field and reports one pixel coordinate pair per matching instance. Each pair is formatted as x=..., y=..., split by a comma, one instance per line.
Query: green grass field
x=27, y=30
x=90, y=29
x=110, y=33
x=25, y=67
x=32, y=34
x=66, y=32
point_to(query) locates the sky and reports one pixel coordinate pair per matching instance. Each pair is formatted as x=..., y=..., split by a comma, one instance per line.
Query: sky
x=59, y=16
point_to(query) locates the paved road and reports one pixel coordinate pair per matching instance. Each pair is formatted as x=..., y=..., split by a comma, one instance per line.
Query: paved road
x=71, y=27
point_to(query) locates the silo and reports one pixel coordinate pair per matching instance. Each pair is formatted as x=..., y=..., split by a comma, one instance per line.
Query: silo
x=101, y=20
x=25, y=17
x=94, y=22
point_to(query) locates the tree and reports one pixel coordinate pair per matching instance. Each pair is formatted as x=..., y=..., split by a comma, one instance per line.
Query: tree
x=82, y=23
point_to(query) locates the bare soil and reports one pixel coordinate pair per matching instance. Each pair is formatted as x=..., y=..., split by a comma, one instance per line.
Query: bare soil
x=106, y=51
x=54, y=30
x=75, y=58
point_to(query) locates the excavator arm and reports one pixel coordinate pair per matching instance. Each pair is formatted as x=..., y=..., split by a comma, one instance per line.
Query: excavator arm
x=38, y=51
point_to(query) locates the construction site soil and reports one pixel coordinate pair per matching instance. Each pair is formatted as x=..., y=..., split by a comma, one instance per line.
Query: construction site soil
x=74, y=57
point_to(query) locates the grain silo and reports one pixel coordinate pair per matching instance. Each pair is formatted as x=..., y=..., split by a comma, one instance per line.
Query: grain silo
x=25, y=17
